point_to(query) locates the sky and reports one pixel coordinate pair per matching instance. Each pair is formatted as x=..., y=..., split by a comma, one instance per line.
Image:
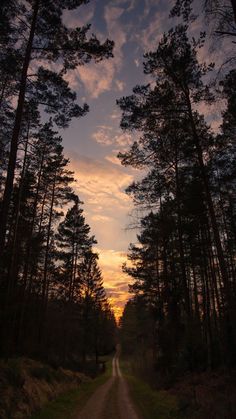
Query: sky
x=92, y=142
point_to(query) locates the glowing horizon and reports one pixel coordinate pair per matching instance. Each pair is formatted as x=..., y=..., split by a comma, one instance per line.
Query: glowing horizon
x=107, y=225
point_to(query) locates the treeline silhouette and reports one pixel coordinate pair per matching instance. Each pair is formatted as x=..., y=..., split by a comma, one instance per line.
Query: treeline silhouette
x=182, y=316
x=52, y=300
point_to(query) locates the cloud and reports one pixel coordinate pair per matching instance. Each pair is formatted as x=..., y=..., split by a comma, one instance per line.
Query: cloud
x=115, y=115
x=101, y=182
x=120, y=284
x=111, y=257
x=97, y=78
x=212, y=113
x=107, y=135
x=124, y=139
x=99, y=217
x=79, y=17
x=115, y=281
x=151, y=34
x=102, y=136
x=116, y=31
x=120, y=39
x=120, y=85
x=148, y=4
x=131, y=6
x=113, y=159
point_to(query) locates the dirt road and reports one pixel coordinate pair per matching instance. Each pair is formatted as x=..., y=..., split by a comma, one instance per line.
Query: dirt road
x=111, y=400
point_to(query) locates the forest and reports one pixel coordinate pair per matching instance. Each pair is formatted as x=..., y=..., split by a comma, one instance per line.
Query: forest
x=53, y=302
x=180, y=315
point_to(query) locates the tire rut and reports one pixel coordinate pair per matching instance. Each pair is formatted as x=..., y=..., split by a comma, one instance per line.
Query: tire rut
x=111, y=400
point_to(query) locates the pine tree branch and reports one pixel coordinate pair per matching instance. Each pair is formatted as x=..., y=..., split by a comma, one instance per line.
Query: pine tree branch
x=225, y=33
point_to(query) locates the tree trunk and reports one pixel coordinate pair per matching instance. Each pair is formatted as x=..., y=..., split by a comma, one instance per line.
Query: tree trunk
x=180, y=239
x=3, y=91
x=16, y=132
x=195, y=285
x=233, y=2
x=29, y=244
x=220, y=254
x=26, y=295
x=45, y=271
x=12, y=274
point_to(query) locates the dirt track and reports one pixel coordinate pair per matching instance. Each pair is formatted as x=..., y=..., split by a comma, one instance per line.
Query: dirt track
x=111, y=400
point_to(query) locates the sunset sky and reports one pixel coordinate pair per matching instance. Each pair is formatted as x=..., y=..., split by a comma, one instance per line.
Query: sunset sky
x=92, y=143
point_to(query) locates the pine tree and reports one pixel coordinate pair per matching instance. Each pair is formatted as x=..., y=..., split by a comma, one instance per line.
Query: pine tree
x=47, y=38
x=183, y=265
x=93, y=295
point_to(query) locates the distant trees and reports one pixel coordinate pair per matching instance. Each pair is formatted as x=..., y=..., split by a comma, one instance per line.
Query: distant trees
x=43, y=255
x=51, y=275
x=183, y=265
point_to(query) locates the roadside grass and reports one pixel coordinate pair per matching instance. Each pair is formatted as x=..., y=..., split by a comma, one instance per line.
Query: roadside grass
x=66, y=405
x=152, y=404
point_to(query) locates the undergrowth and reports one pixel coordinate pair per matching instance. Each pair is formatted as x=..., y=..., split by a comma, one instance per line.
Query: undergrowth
x=66, y=405
x=152, y=404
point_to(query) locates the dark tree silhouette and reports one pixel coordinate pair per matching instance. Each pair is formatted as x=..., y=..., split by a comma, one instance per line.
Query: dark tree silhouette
x=46, y=38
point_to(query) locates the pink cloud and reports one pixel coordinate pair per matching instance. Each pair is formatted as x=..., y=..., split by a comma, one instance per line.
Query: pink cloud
x=107, y=135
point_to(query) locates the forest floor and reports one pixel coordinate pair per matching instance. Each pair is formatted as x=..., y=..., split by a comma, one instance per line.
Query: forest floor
x=206, y=395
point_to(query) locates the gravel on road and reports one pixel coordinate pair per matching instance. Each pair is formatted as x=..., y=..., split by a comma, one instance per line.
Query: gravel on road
x=111, y=400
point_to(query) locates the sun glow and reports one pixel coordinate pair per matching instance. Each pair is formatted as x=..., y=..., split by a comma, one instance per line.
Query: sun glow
x=115, y=280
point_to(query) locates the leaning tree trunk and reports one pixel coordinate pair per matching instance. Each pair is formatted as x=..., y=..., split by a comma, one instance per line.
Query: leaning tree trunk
x=16, y=132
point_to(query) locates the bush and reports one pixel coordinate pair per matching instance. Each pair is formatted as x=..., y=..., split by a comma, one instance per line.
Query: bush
x=12, y=373
x=46, y=373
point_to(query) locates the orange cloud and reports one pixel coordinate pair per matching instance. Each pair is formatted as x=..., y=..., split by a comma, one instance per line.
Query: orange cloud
x=113, y=159
x=120, y=85
x=99, y=78
x=115, y=281
x=102, y=183
x=101, y=186
x=106, y=135
x=103, y=135
x=149, y=37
